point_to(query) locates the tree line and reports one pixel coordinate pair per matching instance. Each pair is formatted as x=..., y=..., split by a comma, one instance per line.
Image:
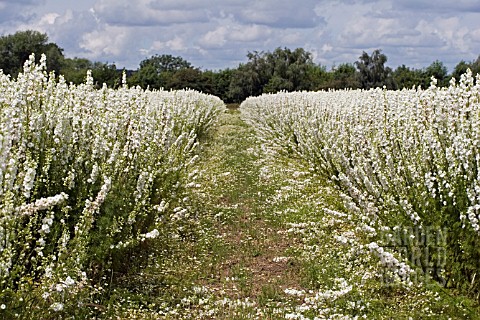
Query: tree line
x=263, y=72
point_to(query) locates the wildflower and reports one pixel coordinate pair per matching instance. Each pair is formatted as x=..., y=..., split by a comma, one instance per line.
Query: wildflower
x=57, y=306
x=45, y=228
x=152, y=234
x=69, y=281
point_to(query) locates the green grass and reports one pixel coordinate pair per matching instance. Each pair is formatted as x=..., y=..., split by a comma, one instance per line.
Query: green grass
x=257, y=227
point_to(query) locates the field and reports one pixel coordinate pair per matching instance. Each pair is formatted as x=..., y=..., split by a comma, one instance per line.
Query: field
x=132, y=204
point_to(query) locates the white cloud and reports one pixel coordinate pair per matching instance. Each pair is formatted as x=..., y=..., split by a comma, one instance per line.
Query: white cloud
x=219, y=33
x=249, y=33
x=142, y=13
x=229, y=31
x=474, y=36
x=175, y=44
x=280, y=14
x=215, y=38
x=110, y=41
x=48, y=19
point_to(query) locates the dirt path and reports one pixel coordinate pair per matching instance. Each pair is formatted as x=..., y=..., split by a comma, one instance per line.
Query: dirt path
x=254, y=269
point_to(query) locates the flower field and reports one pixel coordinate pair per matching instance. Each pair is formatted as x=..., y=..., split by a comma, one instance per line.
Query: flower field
x=86, y=176
x=405, y=162
x=137, y=204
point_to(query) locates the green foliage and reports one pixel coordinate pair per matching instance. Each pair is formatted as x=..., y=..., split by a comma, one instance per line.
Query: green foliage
x=276, y=84
x=165, y=63
x=282, y=69
x=462, y=67
x=344, y=76
x=268, y=72
x=220, y=83
x=438, y=71
x=317, y=76
x=408, y=78
x=244, y=83
x=190, y=78
x=90, y=173
x=157, y=72
x=406, y=161
x=75, y=71
x=16, y=48
x=372, y=71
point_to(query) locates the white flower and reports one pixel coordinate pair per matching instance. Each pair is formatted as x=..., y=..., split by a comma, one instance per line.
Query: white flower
x=48, y=272
x=28, y=181
x=69, y=281
x=152, y=234
x=294, y=292
x=3, y=306
x=56, y=306
x=280, y=259
x=45, y=228
x=372, y=246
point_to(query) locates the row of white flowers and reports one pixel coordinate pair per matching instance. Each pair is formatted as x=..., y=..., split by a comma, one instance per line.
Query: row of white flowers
x=81, y=166
x=404, y=160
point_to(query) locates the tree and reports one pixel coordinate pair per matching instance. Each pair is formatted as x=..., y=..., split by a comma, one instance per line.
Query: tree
x=104, y=73
x=15, y=50
x=317, y=77
x=282, y=69
x=344, y=76
x=475, y=66
x=404, y=77
x=288, y=70
x=156, y=71
x=462, y=67
x=165, y=62
x=220, y=82
x=244, y=83
x=277, y=83
x=372, y=71
x=257, y=71
x=438, y=70
x=75, y=71
x=191, y=78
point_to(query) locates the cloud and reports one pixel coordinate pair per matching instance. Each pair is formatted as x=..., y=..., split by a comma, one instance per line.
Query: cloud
x=280, y=14
x=12, y=11
x=66, y=29
x=215, y=38
x=175, y=44
x=219, y=33
x=109, y=41
x=474, y=36
x=439, y=6
x=144, y=13
x=191, y=5
x=234, y=36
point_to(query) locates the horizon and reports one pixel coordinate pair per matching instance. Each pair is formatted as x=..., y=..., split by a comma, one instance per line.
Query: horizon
x=217, y=35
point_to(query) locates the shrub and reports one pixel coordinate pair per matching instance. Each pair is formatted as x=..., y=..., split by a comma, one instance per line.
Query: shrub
x=85, y=173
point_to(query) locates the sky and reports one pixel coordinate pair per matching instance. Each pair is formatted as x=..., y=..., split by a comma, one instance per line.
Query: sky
x=218, y=34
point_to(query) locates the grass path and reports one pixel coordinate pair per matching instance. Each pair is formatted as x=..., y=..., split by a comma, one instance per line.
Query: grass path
x=263, y=238
x=252, y=270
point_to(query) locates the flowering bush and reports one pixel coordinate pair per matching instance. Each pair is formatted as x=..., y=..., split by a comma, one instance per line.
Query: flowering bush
x=85, y=173
x=407, y=163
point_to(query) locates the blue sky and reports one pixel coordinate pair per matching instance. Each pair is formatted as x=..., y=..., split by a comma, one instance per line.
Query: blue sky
x=217, y=34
